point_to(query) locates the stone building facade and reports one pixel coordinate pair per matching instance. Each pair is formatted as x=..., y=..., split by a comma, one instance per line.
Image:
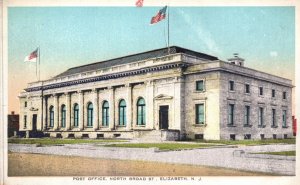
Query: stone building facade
x=165, y=94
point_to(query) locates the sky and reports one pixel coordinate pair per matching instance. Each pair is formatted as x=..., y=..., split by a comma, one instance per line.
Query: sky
x=73, y=36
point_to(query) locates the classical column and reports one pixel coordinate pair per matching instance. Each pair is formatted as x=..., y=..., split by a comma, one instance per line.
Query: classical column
x=149, y=104
x=129, y=107
x=56, y=111
x=96, y=109
x=68, y=111
x=111, y=108
x=81, y=110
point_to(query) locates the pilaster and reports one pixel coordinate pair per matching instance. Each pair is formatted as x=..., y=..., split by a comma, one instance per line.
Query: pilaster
x=81, y=109
x=68, y=111
x=111, y=108
x=129, y=110
x=149, y=104
x=45, y=112
x=96, y=110
x=56, y=111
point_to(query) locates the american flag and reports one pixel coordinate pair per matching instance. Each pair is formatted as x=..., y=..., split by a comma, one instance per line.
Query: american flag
x=159, y=16
x=32, y=56
x=139, y=3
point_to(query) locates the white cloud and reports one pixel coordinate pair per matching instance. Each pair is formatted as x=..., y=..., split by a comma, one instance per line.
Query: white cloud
x=273, y=54
x=202, y=34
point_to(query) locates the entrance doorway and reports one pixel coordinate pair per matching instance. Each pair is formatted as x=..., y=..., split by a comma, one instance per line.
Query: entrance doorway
x=164, y=117
x=34, y=118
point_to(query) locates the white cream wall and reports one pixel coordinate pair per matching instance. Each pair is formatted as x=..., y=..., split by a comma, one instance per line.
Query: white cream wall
x=210, y=99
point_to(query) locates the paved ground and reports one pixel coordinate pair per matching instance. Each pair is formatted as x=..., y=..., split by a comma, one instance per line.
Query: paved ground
x=218, y=157
x=27, y=164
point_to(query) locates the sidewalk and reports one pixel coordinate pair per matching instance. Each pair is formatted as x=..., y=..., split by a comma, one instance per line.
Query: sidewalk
x=217, y=157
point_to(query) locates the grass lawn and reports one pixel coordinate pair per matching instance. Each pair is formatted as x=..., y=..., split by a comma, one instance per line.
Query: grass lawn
x=286, y=153
x=162, y=146
x=250, y=142
x=55, y=141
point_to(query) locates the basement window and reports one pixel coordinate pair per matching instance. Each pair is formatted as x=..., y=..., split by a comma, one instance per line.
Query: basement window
x=199, y=136
x=232, y=137
x=100, y=135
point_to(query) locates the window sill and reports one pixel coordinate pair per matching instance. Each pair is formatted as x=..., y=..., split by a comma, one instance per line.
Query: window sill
x=261, y=126
x=141, y=125
x=231, y=125
x=104, y=126
x=247, y=125
x=232, y=91
x=274, y=126
x=285, y=126
x=199, y=125
x=120, y=125
x=199, y=91
x=88, y=126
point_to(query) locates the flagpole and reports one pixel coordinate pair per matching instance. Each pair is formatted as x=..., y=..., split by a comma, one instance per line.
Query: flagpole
x=168, y=30
x=39, y=55
x=36, y=74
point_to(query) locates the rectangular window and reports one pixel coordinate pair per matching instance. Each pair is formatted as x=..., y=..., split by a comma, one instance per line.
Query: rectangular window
x=247, y=136
x=273, y=117
x=284, y=95
x=25, y=104
x=284, y=119
x=274, y=136
x=231, y=114
x=25, y=121
x=260, y=116
x=261, y=91
x=247, y=115
x=200, y=114
x=232, y=136
x=247, y=88
x=231, y=85
x=262, y=136
x=199, y=136
x=200, y=85
x=273, y=93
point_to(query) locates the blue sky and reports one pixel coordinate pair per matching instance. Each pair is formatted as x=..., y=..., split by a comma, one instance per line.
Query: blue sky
x=72, y=36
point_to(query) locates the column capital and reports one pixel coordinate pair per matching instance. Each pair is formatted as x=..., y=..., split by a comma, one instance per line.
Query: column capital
x=95, y=90
x=149, y=82
x=128, y=85
x=80, y=91
x=179, y=78
x=56, y=94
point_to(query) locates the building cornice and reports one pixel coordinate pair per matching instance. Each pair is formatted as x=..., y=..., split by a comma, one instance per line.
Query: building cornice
x=108, y=76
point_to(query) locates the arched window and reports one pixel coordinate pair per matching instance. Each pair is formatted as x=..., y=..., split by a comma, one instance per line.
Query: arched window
x=76, y=115
x=90, y=115
x=122, y=112
x=51, y=115
x=141, y=112
x=105, y=114
x=63, y=116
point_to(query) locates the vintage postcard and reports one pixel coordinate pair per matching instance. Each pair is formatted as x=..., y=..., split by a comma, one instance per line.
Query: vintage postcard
x=144, y=91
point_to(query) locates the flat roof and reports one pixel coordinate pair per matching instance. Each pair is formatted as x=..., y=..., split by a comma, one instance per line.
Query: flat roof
x=133, y=58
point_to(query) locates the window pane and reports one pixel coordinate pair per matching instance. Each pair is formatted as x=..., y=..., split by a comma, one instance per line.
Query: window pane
x=200, y=114
x=284, y=118
x=90, y=115
x=261, y=116
x=231, y=85
x=200, y=85
x=247, y=115
x=231, y=114
x=141, y=113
